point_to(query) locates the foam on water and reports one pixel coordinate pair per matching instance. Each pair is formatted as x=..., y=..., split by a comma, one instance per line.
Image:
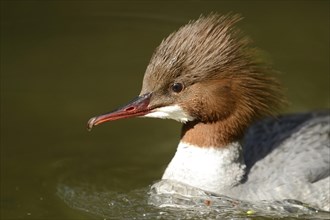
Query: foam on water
x=147, y=203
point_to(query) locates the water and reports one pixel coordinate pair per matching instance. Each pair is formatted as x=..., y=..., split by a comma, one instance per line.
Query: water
x=63, y=62
x=148, y=204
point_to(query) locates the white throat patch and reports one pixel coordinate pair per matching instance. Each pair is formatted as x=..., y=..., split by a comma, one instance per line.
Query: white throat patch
x=174, y=112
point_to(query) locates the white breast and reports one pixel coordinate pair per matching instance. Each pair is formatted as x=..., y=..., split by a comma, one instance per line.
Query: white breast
x=208, y=168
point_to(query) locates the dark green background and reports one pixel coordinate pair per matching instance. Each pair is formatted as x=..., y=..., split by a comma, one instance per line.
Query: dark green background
x=63, y=62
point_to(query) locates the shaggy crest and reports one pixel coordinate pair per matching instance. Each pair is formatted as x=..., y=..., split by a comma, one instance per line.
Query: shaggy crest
x=212, y=49
x=203, y=47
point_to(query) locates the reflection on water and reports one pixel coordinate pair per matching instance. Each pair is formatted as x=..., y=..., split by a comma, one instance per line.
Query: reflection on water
x=146, y=203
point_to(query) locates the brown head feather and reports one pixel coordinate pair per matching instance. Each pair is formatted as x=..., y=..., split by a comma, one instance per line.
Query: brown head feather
x=224, y=81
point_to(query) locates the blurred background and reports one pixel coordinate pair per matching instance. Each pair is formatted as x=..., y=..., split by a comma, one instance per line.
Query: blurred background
x=63, y=62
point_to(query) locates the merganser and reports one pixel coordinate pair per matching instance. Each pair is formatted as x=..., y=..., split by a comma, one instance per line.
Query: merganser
x=206, y=75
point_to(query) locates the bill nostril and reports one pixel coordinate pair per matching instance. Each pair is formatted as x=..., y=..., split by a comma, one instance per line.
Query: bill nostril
x=130, y=109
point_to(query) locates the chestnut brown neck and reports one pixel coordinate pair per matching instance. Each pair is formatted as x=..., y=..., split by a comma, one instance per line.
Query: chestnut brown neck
x=213, y=134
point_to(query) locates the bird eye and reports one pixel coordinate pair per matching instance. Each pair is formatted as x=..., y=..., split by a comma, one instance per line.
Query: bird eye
x=177, y=87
